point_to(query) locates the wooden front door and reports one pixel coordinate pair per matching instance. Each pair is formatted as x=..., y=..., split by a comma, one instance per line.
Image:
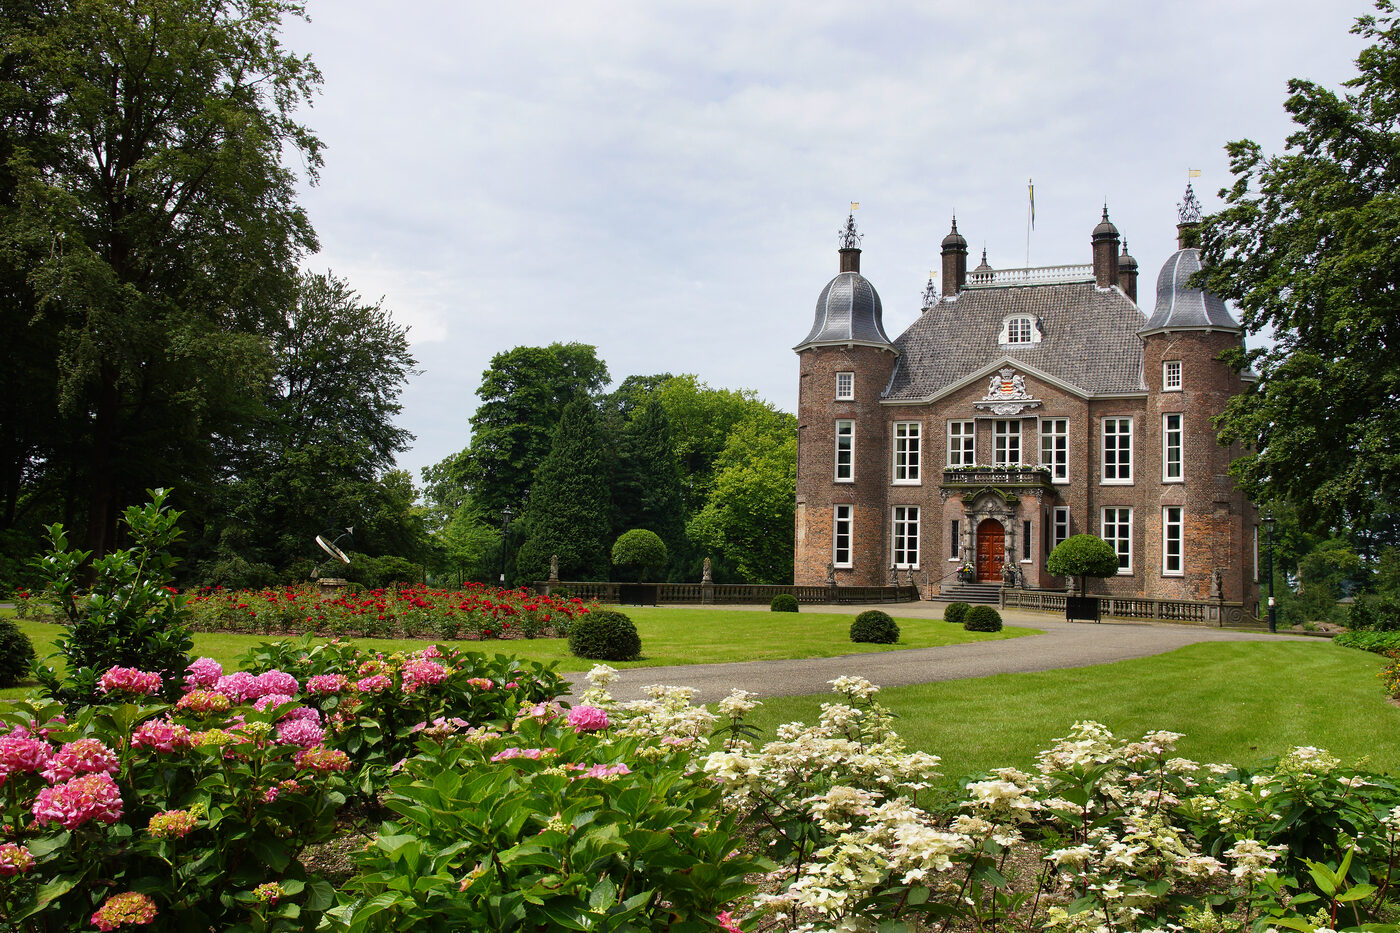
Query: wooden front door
x=991, y=551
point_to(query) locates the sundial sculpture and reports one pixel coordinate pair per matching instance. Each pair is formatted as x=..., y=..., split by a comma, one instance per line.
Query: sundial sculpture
x=332, y=548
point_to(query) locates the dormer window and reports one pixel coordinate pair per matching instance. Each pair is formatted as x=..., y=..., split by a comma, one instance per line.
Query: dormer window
x=1018, y=330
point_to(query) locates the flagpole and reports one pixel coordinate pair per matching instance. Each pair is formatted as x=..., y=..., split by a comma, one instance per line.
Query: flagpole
x=1030, y=218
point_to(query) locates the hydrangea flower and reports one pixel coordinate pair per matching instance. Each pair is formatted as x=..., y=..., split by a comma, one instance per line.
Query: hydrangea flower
x=375, y=683
x=129, y=680
x=14, y=860
x=423, y=673
x=238, y=686
x=90, y=797
x=323, y=760
x=162, y=735
x=172, y=824
x=275, y=682
x=20, y=752
x=269, y=893
x=327, y=683
x=203, y=702
x=307, y=713
x=482, y=683
x=204, y=672
x=126, y=909
x=588, y=719
x=301, y=732
x=81, y=756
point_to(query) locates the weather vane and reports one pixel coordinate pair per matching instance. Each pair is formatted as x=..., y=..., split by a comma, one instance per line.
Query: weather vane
x=1189, y=210
x=849, y=238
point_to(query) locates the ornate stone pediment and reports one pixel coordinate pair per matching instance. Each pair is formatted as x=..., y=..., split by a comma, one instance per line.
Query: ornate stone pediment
x=1006, y=394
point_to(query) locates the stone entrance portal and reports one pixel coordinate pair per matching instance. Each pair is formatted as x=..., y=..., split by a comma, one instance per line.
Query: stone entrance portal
x=991, y=551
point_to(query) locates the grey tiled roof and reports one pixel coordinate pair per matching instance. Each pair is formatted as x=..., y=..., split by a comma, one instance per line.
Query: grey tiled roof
x=1181, y=306
x=848, y=310
x=1090, y=339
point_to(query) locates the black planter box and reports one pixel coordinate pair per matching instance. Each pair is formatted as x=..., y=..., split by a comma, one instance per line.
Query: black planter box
x=638, y=594
x=1082, y=607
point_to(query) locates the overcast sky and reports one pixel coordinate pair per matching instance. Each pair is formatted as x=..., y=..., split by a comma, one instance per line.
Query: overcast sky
x=665, y=179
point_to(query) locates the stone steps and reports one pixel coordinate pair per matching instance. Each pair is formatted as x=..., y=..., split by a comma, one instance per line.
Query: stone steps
x=986, y=594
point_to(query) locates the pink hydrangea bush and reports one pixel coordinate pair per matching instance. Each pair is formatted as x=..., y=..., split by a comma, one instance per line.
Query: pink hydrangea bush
x=129, y=681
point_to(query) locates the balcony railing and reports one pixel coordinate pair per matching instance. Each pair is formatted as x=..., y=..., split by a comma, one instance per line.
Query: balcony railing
x=996, y=476
x=1034, y=275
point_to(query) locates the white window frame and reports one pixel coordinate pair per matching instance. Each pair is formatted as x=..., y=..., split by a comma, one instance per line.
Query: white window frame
x=960, y=443
x=1002, y=436
x=1018, y=330
x=1122, y=539
x=1122, y=471
x=1256, y=553
x=908, y=451
x=1055, y=454
x=845, y=452
x=954, y=539
x=1173, y=539
x=1173, y=448
x=842, y=526
x=845, y=387
x=1027, y=529
x=1059, y=526
x=1171, y=375
x=904, y=537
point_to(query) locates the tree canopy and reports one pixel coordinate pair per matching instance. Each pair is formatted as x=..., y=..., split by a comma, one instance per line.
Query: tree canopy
x=1308, y=248
x=1083, y=556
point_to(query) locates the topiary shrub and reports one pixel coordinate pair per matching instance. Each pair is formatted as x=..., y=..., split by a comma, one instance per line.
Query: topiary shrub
x=604, y=635
x=875, y=627
x=982, y=619
x=639, y=554
x=783, y=602
x=955, y=613
x=16, y=654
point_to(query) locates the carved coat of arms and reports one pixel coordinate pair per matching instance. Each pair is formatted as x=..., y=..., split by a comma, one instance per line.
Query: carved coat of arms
x=1006, y=394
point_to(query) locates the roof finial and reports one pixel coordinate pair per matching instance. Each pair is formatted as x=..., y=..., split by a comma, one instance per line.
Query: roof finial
x=930, y=293
x=1189, y=210
x=850, y=239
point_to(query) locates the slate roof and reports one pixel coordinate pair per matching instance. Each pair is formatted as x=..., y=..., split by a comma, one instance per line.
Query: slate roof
x=848, y=311
x=1179, y=306
x=1090, y=339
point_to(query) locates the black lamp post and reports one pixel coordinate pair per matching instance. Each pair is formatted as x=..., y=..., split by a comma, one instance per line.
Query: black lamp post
x=505, y=532
x=1269, y=563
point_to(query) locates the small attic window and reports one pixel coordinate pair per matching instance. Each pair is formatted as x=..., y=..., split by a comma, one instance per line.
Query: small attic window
x=1019, y=329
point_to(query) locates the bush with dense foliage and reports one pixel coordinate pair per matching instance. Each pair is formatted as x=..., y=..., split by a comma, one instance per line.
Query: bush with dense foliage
x=955, y=613
x=1083, y=556
x=783, y=602
x=875, y=627
x=605, y=635
x=16, y=654
x=1375, y=612
x=1378, y=642
x=639, y=553
x=982, y=619
x=127, y=616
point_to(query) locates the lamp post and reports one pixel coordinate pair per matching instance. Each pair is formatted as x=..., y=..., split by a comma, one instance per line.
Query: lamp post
x=505, y=532
x=1269, y=563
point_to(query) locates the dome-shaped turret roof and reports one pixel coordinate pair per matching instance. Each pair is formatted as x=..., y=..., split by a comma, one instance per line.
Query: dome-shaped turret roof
x=1181, y=307
x=848, y=311
x=1126, y=262
x=954, y=239
x=1105, y=230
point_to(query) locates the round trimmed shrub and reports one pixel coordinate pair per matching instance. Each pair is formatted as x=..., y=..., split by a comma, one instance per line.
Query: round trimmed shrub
x=604, y=635
x=875, y=627
x=16, y=654
x=982, y=619
x=783, y=602
x=956, y=613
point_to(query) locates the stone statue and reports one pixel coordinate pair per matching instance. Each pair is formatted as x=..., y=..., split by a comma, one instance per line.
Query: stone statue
x=554, y=568
x=830, y=574
x=994, y=387
x=1217, y=585
x=1018, y=386
x=705, y=576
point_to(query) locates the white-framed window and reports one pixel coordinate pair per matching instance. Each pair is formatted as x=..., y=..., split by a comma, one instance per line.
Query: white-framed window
x=954, y=539
x=1256, y=553
x=1026, y=541
x=904, y=537
x=1171, y=375
x=962, y=443
x=1171, y=447
x=841, y=536
x=1118, y=450
x=906, y=452
x=1018, y=330
x=1116, y=528
x=1054, y=448
x=845, y=387
x=1006, y=443
x=845, y=451
x=1171, y=541
x=1059, y=525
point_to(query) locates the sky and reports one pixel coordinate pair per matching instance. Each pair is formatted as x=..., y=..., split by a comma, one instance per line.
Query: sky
x=665, y=180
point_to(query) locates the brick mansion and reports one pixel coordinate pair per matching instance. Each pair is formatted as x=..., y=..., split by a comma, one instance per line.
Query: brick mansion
x=1022, y=407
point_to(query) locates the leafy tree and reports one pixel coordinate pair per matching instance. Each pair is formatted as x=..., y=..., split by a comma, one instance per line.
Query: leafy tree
x=640, y=552
x=701, y=421
x=646, y=490
x=468, y=547
x=748, y=517
x=523, y=394
x=568, y=510
x=1083, y=556
x=152, y=209
x=1308, y=248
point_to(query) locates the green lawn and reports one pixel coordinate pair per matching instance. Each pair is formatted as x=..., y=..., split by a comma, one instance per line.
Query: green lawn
x=1235, y=702
x=669, y=636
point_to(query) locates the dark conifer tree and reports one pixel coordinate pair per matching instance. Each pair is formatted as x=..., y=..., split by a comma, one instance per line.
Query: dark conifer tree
x=568, y=511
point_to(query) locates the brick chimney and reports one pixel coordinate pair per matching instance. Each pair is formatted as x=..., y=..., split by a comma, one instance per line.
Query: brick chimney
x=1105, y=245
x=954, y=261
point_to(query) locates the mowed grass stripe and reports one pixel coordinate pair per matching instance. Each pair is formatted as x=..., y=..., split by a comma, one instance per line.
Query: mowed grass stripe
x=1236, y=702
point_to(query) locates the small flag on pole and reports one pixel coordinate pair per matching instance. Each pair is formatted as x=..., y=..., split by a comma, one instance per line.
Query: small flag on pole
x=1193, y=173
x=1030, y=187
x=855, y=205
